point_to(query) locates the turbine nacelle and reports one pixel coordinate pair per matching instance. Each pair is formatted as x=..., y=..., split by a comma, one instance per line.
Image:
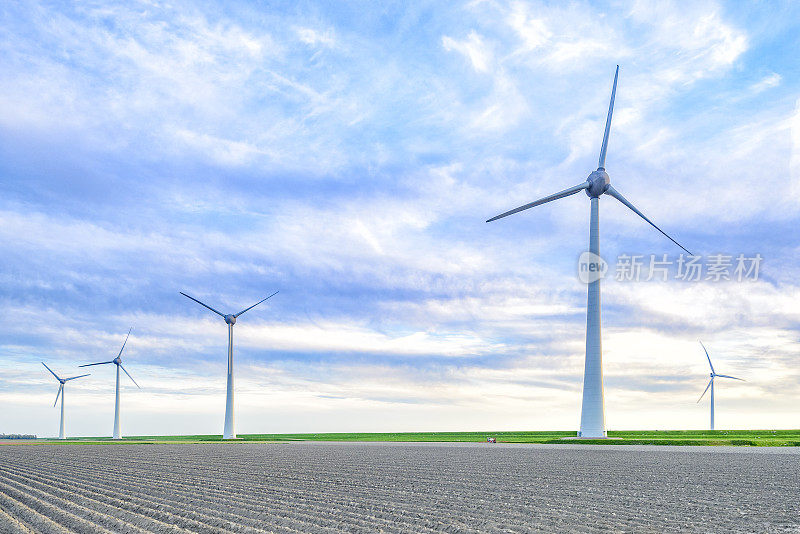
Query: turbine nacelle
x=230, y=319
x=598, y=183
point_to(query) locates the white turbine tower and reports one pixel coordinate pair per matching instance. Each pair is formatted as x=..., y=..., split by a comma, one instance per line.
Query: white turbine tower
x=61, y=382
x=118, y=362
x=714, y=375
x=597, y=184
x=229, y=432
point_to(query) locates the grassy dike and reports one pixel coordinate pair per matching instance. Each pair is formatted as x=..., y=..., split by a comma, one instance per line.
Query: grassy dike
x=745, y=438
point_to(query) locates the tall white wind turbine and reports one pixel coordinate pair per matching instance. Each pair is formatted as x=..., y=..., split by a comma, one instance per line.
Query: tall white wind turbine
x=229, y=431
x=714, y=375
x=118, y=362
x=61, y=382
x=597, y=184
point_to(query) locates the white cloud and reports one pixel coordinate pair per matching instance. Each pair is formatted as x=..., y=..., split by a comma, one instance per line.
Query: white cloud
x=794, y=164
x=223, y=151
x=698, y=39
x=473, y=48
x=768, y=82
x=314, y=37
x=504, y=108
x=533, y=31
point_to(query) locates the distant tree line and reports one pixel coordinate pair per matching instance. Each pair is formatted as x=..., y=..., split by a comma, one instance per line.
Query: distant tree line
x=17, y=436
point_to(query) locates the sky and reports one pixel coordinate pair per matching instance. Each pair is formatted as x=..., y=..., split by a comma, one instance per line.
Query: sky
x=348, y=156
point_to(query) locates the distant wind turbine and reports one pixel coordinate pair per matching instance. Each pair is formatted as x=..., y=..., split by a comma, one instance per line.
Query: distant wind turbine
x=714, y=375
x=118, y=362
x=597, y=184
x=61, y=381
x=229, y=431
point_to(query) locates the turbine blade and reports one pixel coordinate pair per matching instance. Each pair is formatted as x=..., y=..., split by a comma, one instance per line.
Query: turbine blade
x=556, y=196
x=616, y=194
x=206, y=305
x=74, y=377
x=60, y=387
x=707, y=356
x=51, y=371
x=602, y=162
x=704, y=391
x=726, y=376
x=125, y=342
x=98, y=363
x=254, y=305
x=129, y=376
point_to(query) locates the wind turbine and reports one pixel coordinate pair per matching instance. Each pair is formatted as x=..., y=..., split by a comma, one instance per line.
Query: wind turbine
x=714, y=375
x=118, y=362
x=61, y=381
x=229, y=432
x=597, y=184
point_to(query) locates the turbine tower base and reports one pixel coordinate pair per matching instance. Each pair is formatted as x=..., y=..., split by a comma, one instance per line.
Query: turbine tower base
x=591, y=435
x=588, y=438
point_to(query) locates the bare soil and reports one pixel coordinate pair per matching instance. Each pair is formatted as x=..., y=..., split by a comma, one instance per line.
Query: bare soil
x=396, y=487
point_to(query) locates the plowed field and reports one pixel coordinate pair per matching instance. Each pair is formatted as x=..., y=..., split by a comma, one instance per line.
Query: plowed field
x=371, y=487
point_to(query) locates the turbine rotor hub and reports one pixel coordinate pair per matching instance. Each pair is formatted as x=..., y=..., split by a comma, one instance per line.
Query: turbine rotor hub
x=230, y=319
x=598, y=183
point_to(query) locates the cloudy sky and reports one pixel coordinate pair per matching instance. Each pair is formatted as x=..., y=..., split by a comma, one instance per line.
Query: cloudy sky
x=348, y=156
